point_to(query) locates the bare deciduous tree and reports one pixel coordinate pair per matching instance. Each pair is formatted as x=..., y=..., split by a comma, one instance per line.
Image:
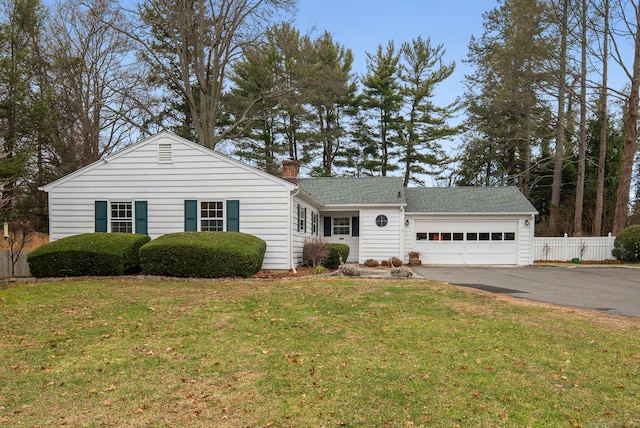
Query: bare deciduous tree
x=630, y=15
x=602, y=113
x=190, y=46
x=20, y=236
x=99, y=95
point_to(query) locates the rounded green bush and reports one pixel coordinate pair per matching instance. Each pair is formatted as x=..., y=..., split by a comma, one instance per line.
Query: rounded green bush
x=203, y=255
x=626, y=247
x=335, y=251
x=88, y=254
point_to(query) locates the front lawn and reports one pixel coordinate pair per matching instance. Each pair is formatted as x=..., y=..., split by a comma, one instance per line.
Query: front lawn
x=307, y=353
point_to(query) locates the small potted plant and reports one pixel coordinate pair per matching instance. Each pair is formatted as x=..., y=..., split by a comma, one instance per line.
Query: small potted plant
x=414, y=258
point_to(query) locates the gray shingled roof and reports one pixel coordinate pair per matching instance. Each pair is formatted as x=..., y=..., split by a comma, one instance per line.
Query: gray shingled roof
x=467, y=200
x=385, y=190
x=354, y=190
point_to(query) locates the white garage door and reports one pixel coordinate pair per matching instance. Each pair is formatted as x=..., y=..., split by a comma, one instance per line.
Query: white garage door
x=467, y=242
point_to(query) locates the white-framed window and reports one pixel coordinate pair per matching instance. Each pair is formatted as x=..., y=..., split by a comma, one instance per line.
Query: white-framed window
x=122, y=217
x=211, y=216
x=314, y=223
x=341, y=225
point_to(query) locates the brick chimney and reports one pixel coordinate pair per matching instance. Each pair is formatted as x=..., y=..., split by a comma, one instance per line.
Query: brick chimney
x=290, y=170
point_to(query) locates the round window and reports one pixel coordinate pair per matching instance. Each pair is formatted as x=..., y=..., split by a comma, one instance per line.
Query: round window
x=382, y=220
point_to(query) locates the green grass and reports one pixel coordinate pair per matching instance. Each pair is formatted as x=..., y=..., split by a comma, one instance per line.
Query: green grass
x=307, y=353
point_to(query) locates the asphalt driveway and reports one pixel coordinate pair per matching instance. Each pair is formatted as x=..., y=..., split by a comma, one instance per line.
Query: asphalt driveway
x=614, y=290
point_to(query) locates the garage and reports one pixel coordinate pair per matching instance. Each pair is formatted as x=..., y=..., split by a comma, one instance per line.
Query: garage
x=469, y=226
x=467, y=242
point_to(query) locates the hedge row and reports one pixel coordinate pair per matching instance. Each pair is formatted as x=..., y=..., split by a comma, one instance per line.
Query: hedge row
x=203, y=255
x=92, y=254
x=189, y=254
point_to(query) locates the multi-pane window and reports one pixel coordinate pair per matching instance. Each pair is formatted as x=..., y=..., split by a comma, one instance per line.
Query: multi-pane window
x=341, y=225
x=302, y=219
x=314, y=223
x=470, y=236
x=211, y=217
x=121, y=217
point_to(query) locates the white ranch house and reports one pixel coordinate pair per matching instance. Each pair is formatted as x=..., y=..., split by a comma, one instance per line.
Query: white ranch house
x=166, y=184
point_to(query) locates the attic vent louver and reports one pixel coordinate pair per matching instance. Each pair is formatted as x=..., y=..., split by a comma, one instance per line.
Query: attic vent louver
x=165, y=153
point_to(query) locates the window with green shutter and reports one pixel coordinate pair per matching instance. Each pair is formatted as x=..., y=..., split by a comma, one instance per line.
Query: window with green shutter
x=190, y=216
x=141, y=217
x=327, y=226
x=101, y=216
x=233, y=216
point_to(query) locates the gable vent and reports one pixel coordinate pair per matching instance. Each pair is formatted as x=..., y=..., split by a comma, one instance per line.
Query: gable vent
x=165, y=153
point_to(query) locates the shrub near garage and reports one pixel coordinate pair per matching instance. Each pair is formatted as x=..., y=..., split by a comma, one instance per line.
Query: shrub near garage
x=335, y=252
x=88, y=254
x=626, y=247
x=203, y=255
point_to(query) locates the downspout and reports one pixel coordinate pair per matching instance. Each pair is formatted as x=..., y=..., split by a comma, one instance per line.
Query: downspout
x=402, y=232
x=292, y=264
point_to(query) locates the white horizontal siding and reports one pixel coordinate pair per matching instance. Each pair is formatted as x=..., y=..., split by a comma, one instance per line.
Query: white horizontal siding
x=380, y=243
x=193, y=174
x=299, y=237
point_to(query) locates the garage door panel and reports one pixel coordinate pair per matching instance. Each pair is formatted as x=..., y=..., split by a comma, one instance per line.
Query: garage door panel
x=483, y=242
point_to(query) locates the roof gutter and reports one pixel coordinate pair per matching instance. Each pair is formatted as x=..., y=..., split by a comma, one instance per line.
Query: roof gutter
x=294, y=193
x=351, y=207
x=476, y=213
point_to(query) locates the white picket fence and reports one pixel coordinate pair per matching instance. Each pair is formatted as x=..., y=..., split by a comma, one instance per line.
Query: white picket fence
x=568, y=248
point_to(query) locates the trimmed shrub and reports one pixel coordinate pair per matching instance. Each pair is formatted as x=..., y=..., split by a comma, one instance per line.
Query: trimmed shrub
x=335, y=251
x=203, y=255
x=626, y=247
x=88, y=254
x=319, y=270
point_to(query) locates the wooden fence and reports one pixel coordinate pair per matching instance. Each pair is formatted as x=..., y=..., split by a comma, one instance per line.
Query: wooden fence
x=569, y=248
x=21, y=268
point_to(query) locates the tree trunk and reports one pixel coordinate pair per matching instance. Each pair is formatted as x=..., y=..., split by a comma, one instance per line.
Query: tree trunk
x=630, y=137
x=599, y=208
x=561, y=125
x=582, y=135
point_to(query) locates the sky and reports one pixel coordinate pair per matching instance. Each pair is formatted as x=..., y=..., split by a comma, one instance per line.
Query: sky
x=362, y=25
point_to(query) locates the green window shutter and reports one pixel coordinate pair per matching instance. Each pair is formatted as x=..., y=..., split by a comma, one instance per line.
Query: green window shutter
x=101, y=217
x=327, y=226
x=233, y=216
x=298, y=219
x=355, y=226
x=190, y=216
x=141, y=217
